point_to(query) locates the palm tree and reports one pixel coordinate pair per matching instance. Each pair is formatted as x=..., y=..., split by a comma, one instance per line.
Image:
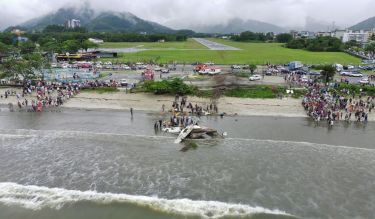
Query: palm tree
x=328, y=72
x=252, y=68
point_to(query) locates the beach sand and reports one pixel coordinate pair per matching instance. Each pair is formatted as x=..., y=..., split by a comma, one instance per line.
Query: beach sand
x=287, y=107
x=153, y=103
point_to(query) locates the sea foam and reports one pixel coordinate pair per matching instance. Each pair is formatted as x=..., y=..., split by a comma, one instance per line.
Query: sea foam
x=37, y=198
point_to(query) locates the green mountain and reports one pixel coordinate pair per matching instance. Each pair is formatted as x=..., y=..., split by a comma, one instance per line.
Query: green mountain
x=98, y=22
x=364, y=25
x=127, y=22
x=238, y=25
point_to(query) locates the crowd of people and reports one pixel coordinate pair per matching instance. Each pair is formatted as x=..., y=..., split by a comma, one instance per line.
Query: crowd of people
x=41, y=96
x=324, y=103
x=181, y=105
x=183, y=113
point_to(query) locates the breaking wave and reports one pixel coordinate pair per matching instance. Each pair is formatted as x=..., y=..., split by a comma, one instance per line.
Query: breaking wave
x=37, y=198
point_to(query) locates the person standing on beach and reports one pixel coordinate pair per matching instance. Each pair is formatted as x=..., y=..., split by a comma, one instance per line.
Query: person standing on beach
x=131, y=111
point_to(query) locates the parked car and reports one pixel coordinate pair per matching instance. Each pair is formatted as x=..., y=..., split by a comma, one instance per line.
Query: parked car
x=285, y=71
x=314, y=73
x=345, y=73
x=269, y=72
x=369, y=67
x=236, y=67
x=364, y=80
x=141, y=67
x=209, y=63
x=355, y=74
x=301, y=72
x=165, y=70
x=196, y=63
x=124, y=83
x=255, y=77
x=214, y=71
x=126, y=67
x=350, y=67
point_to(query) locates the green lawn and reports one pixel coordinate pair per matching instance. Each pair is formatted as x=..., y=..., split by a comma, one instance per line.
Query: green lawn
x=251, y=53
x=101, y=90
x=189, y=44
x=367, y=72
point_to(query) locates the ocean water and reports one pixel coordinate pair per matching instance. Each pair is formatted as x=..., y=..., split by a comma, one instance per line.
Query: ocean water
x=103, y=164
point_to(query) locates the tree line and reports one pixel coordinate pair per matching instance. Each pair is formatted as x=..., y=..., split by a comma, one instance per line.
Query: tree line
x=249, y=36
x=55, y=38
x=318, y=44
x=60, y=33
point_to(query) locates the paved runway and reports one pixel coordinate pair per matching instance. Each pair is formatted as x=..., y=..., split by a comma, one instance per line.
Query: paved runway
x=214, y=45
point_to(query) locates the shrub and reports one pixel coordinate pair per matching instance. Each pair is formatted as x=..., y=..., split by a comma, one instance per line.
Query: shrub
x=353, y=88
x=265, y=92
x=175, y=86
x=102, y=90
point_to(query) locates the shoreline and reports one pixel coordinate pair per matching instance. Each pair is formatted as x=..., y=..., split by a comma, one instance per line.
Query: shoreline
x=150, y=103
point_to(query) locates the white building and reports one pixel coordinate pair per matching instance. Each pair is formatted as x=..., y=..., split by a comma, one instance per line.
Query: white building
x=360, y=36
x=339, y=34
x=307, y=34
x=96, y=41
x=323, y=34
x=72, y=23
x=302, y=34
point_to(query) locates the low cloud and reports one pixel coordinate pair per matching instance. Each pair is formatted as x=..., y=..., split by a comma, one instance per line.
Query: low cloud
x=189, y=13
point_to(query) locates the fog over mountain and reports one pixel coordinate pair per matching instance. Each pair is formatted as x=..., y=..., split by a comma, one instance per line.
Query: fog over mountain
x=180, y=14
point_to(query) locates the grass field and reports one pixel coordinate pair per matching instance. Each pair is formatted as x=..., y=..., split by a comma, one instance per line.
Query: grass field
x=251, y=53
x=189, y=44
x=101, y=90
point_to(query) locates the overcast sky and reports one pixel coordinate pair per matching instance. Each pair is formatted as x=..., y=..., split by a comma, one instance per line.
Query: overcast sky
x=188, y=13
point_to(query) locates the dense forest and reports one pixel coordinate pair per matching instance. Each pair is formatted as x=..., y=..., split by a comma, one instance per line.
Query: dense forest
x=253, y=37
x=319, y=44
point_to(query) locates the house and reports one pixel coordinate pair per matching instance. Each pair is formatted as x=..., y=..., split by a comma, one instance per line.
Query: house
x=339, y=34
x=302, y=34
x=96, y=41
x=21, y=39
x=18, y=32
x=358, y=36
x=105, y=54
x=323, y=34
x=307, y=34
x=72, y=23
x=2, y=57
x=76, y=57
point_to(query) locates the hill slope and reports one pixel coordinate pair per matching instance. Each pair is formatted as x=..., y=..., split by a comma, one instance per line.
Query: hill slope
x=364, y=25
x=238, y=25
x=100, y=22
